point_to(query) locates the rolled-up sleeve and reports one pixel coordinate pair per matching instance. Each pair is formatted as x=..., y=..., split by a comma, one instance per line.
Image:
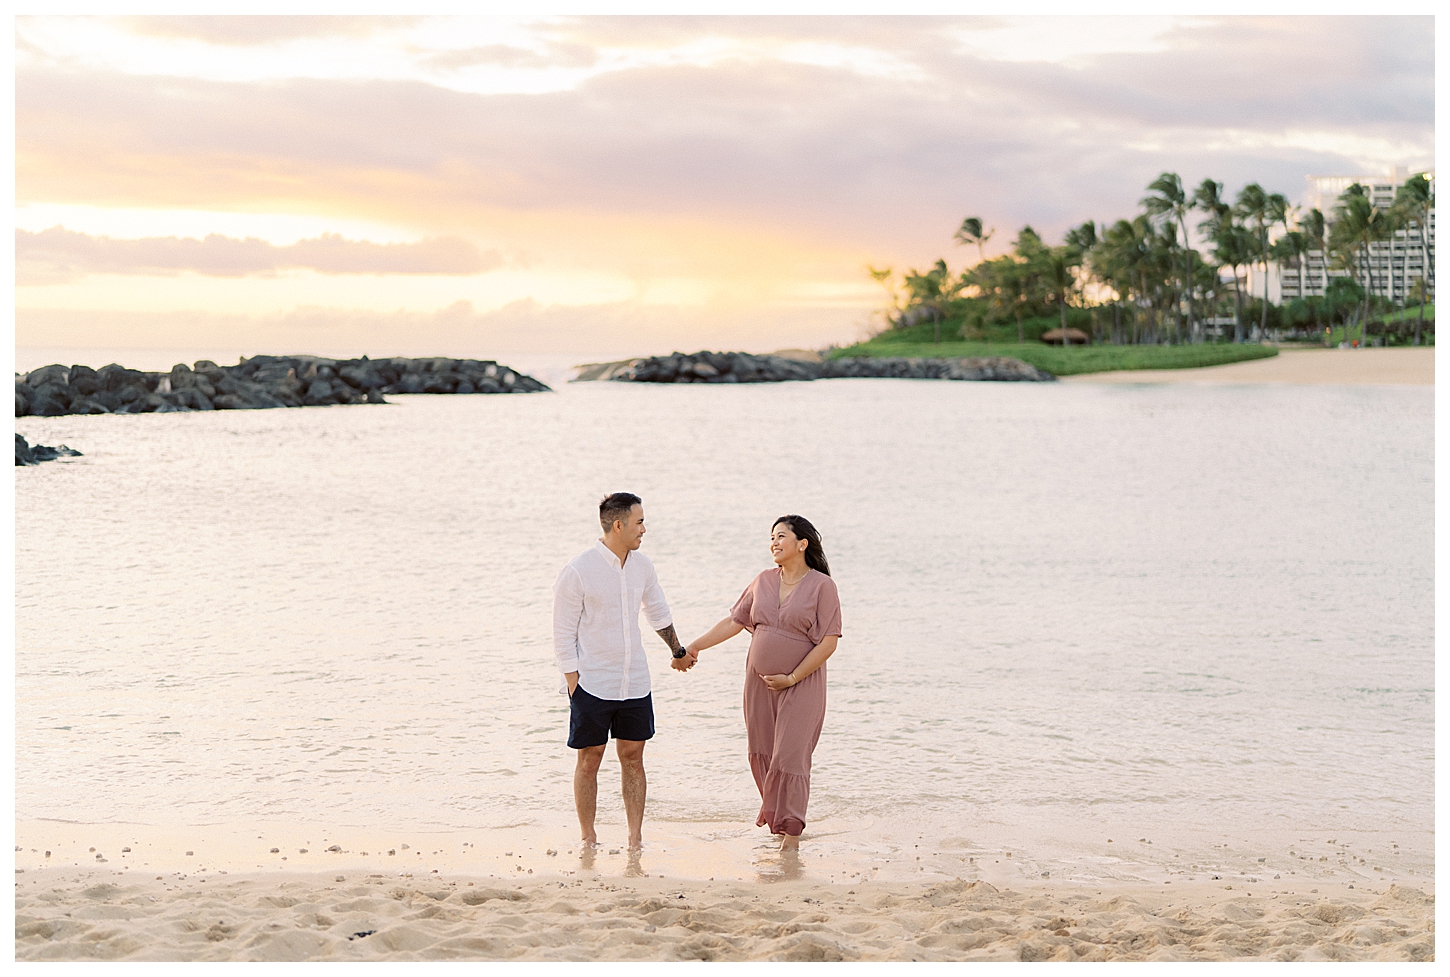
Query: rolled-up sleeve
x=568, y=609
x=656, y=608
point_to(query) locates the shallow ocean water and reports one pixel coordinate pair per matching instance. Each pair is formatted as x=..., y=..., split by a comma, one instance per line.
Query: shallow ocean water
x=1190, y=613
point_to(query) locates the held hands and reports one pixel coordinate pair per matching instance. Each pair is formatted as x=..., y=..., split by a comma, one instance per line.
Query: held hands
x=692, y=655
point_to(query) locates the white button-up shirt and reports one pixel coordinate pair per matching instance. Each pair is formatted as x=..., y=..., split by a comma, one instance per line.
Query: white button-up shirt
x=596, y=621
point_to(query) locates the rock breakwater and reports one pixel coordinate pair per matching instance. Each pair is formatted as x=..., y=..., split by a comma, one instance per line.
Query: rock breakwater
x=710, y=367
x=256, y=382
x=33, y=454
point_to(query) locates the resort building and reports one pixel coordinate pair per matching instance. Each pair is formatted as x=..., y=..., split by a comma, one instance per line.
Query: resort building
x=1395, y=265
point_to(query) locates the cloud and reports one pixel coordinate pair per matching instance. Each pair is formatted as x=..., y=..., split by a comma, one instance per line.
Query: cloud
x=834, y=158
x=250, y=31
x=58, y=254
x=510, y=56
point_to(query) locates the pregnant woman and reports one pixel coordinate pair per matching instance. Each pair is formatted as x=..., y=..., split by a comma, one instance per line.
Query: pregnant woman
x=794, y=618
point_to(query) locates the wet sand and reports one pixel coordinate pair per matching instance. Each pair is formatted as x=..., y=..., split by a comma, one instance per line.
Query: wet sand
x=295, y=894
x=1395, y=365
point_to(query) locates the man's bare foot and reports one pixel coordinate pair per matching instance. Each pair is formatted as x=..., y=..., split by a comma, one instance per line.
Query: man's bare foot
x=589, y=843
x=790, y=842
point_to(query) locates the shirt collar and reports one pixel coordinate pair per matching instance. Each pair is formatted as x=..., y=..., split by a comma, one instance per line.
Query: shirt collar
x=608, y=554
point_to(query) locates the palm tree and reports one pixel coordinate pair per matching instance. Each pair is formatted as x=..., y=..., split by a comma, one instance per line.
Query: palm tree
x=1031, y=271
x=1417, y=196
x=1170, y=204
x=882, y=276
x=1082, y=240
x=1290, y=249
x=1060, y=275
x=1218, y=224
x=1234, y=246
x=1315, y=232
x=971, y=232
x=934, y=290
x=1359, y=224
x=1004, y=282
x=1264, y=210
x=1121, y=257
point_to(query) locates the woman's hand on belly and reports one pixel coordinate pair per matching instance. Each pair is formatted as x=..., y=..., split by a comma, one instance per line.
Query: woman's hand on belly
x=778, y=683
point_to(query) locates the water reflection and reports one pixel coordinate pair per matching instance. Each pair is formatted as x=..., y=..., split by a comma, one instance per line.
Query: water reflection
x=776, y=865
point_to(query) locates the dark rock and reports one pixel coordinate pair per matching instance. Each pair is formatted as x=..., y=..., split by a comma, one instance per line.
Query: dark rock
x=242, y=394
x=708, y=367
x=84, y=380
x=289, y=390
x=28, y=454
x=192, y=397
x=145, y=404
x=259, y=382
x=132, y=393
x=118, y=378
x=209, y=370
x=50, y=400
x=388, y=370
x=182, y=377
x=86, y=405
x=271, y=373
x=361, y=375
x=108, y=399
x=55, y=373
x=319, y=393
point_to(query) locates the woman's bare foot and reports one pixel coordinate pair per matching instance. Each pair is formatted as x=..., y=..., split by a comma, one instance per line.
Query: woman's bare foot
x=790, y=842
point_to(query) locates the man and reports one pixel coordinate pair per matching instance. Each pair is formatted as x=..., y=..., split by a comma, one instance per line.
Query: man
x=598, y=648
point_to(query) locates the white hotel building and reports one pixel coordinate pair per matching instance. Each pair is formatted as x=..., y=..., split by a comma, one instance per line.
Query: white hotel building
x=1395, y=264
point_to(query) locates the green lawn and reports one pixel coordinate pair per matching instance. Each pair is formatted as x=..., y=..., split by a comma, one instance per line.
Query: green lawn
x=1064, y=362
x=1410, y=314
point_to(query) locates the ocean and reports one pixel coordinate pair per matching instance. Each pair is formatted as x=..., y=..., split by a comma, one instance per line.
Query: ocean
x=1197, y=621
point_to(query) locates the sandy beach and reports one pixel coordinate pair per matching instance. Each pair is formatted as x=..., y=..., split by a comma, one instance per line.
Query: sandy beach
x=269, y=894
x=1395, y=365
x=375, y=916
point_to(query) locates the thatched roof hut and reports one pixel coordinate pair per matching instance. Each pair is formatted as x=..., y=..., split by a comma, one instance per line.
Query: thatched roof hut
x=1074, y=336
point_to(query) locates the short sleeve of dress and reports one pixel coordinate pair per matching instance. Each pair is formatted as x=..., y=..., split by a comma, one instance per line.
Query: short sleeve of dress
x=828, y=613
x=740, y=613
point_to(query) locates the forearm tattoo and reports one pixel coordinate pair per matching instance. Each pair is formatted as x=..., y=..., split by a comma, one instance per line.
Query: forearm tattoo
x=668, y=634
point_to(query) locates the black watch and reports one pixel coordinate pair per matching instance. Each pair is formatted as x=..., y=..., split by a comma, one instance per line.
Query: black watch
x=679, y=653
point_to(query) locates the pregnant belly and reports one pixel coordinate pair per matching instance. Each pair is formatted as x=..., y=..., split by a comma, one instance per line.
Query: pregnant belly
x=775, y=653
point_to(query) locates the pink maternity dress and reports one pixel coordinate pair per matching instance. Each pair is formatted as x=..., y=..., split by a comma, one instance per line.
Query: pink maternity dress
x=782, y=727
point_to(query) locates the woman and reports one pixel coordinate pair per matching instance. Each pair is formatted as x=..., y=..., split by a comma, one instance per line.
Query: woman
x=794, y=618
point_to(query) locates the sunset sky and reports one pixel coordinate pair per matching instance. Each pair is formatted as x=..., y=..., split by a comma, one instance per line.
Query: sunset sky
x=624, y=185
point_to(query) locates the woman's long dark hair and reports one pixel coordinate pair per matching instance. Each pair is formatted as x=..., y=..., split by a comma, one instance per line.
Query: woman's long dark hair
x=815, y=554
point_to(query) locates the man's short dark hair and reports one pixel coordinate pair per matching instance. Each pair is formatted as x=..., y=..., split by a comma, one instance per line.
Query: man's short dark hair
x=616, y=506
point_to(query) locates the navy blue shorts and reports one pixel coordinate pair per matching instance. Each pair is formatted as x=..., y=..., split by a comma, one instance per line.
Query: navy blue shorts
x=593, y=720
